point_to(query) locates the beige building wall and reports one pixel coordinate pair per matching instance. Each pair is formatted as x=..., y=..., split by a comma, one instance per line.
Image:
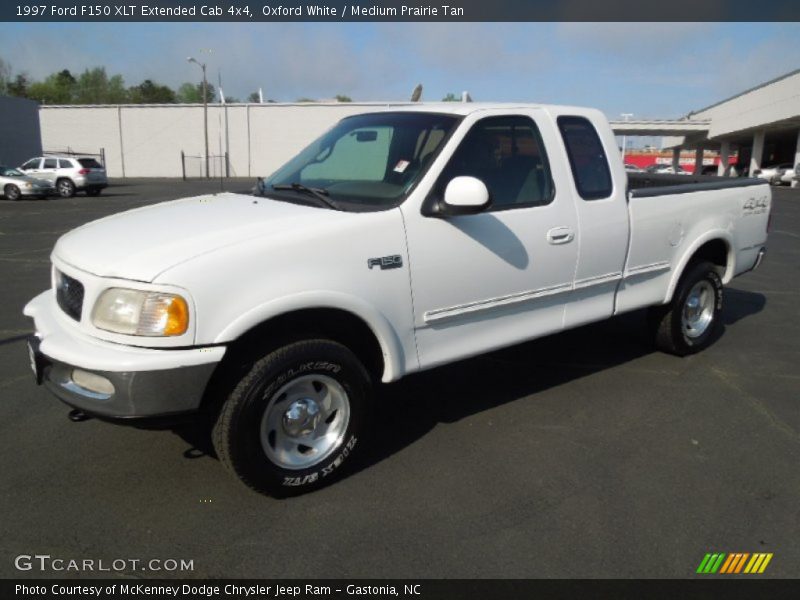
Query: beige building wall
x=763, y=106
x=147, y=140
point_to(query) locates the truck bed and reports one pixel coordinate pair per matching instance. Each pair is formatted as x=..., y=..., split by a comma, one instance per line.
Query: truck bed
x=642, y=185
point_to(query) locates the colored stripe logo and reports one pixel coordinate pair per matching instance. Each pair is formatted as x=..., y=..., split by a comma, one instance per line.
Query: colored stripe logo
x=734, y=563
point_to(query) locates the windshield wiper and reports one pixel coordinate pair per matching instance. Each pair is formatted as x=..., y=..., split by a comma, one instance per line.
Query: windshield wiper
x=320, y=193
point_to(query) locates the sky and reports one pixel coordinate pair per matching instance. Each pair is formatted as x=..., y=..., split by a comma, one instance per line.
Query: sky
x=652, y=70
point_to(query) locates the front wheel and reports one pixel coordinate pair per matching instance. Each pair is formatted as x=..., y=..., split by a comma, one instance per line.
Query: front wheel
x=293, y=423
x=12, y=192
x=690, y=322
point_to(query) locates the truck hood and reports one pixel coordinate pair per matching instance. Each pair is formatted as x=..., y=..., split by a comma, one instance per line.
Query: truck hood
x=142, y=243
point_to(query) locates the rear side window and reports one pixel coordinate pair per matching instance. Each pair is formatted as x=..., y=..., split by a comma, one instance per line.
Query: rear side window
x=90, y=163
x=64, y=164
x=586, y=157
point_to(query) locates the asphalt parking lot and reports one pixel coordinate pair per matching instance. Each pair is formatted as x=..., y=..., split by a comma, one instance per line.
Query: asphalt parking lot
x=580, y=455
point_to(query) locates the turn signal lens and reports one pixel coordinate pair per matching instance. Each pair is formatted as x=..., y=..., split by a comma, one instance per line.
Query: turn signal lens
x=177, y=317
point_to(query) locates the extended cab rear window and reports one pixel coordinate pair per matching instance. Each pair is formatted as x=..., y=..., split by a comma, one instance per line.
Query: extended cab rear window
x=586, y=157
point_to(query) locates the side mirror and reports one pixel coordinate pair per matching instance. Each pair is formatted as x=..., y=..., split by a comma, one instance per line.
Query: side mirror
x=464, y=196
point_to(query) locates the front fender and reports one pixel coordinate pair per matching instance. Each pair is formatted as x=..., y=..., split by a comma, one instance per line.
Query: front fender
x=382, y=329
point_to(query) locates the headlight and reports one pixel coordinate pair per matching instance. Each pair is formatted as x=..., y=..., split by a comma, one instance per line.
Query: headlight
x=135, y=312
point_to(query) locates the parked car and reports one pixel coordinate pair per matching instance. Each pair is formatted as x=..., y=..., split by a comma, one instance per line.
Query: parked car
x=774, y=174
x=14, y=184
x=789, y=174
x=69, y=174
x=667, y=170
x=398, y=241
x=631, y=168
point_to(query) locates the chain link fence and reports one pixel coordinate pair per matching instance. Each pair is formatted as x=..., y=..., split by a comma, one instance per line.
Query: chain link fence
x=194, y=166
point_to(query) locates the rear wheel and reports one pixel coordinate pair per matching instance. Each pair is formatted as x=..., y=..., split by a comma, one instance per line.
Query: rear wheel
x=692, y=320
x=65, y=187
x=12, y=192
x=293, y=422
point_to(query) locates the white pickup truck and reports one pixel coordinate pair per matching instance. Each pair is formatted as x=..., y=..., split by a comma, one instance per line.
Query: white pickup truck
x=398, y=241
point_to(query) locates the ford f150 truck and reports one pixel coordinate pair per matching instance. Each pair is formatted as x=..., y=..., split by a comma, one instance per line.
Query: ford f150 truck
x=398, y=241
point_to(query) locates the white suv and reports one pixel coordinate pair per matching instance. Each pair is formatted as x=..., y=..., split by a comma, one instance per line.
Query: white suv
x=69, y=174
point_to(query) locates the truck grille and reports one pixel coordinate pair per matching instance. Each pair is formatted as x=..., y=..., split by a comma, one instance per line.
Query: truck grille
x=69, y=295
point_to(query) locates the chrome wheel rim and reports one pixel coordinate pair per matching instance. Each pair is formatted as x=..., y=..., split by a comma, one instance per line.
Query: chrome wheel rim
x=305, y=421
x=698, y=310
x=13, y=193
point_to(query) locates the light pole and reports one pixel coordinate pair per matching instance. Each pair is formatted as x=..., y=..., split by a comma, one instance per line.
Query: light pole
x=205, y=105
x=625, y=116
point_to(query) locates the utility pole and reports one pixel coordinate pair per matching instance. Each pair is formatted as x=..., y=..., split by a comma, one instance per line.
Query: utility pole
x=227, y=137
x=205, y=105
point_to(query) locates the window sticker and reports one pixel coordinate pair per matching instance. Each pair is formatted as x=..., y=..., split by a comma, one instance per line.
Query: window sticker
x=401, y=166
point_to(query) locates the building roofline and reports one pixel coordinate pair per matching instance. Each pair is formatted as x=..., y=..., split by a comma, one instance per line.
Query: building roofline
x=740, y=94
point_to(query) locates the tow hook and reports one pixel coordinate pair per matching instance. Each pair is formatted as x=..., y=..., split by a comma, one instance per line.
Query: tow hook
x=77, y=416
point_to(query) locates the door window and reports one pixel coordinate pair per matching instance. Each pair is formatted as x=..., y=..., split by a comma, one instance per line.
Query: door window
x=508, y=155
x=50, y=163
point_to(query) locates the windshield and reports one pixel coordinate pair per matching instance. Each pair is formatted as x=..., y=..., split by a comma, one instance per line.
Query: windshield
x=366, y=162
x=9, y=172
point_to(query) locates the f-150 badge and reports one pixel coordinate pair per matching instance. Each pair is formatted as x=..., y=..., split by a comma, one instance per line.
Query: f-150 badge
x=386, y=262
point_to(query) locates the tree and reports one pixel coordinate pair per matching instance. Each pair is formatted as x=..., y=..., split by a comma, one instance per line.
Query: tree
x=343, y=98
x=95, y=87
x=190, y=93
x=232, y=100
x=5, y=76
x=304, y=99
x=117, y=94
x=254, y=97
x=149, y=92
x=19, y=86
x=58, y=88
x=450, y=97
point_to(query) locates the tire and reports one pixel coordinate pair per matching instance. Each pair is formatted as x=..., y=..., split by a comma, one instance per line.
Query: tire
x=269, y=431
x=12, y=192
x=692, y=321
x=93, y=191
x=65, y=187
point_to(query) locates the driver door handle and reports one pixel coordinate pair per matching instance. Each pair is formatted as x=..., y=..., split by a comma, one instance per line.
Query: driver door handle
x=560, y=235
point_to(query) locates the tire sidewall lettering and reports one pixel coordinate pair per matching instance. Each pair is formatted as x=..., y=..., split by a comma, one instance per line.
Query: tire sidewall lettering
x=303, y=369
x=310, y=478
